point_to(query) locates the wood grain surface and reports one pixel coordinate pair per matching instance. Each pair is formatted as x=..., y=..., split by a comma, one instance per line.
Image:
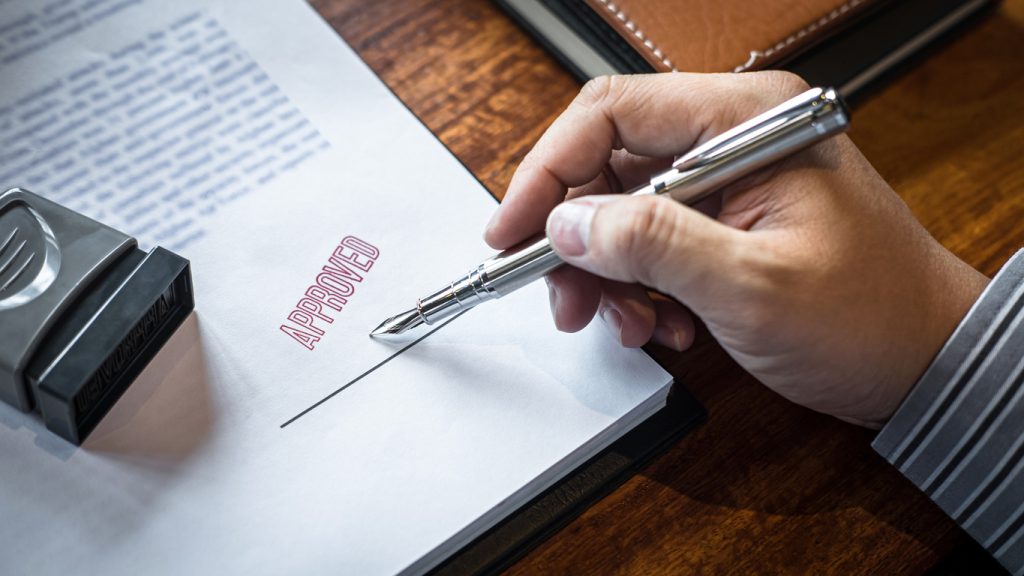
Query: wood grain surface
x=765, y=486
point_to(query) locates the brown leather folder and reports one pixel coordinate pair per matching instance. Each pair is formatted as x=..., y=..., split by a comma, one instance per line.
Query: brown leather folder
x=725, y=35
x=848, y=44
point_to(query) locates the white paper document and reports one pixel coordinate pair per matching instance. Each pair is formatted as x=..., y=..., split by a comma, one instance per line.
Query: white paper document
x=271, y=435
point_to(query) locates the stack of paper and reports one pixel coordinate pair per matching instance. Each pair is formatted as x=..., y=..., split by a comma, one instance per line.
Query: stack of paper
x=271, y=435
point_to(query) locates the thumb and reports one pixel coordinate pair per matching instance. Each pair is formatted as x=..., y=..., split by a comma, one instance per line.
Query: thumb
x=650, y=240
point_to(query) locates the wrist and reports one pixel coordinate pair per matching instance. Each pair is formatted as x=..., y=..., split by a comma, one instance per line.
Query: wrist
x=950, y=289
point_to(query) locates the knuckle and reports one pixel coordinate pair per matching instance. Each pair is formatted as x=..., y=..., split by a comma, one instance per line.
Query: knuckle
x=595, y=90
x=736, y=97
x=602, y=91
x=784, y=83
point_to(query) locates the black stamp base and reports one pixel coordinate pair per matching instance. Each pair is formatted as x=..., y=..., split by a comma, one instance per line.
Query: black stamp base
x=106, y=338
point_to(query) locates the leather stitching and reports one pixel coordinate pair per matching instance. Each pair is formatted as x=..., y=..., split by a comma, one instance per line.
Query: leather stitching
x=635, y=31
x=825, y=20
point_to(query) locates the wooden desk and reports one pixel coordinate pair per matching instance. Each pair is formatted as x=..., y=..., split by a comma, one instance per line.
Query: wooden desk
x=764, y=486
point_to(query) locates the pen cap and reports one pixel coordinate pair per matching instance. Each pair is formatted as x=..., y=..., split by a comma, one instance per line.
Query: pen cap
x=797, y=123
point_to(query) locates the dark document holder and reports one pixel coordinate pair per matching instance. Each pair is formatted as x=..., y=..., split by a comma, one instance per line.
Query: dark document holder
x=524, y=529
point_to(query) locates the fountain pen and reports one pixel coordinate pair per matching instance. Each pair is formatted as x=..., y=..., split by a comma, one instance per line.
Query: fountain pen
x=811, y=117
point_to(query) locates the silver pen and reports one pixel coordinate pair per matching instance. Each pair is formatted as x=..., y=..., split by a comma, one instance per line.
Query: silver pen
x=794, y=125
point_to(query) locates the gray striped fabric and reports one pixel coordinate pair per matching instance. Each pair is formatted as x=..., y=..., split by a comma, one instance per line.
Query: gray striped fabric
x=959, y=435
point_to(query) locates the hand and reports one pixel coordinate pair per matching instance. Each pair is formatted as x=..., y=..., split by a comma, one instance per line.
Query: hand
x=812, y=274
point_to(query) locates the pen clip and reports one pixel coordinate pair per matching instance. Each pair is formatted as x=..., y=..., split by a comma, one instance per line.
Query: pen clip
x=789, y=127
x=821, y=106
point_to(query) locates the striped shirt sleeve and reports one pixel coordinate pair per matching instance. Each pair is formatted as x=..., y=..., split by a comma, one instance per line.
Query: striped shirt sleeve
x=959, y=434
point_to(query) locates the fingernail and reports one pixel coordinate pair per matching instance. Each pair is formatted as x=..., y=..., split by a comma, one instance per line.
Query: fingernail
x=669, y=337
x=569, y=227
x=613, y=321
x=552, y=294
x=491, y=223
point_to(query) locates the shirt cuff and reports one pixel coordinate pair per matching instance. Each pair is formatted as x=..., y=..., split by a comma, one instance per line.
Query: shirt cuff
x=959, y=434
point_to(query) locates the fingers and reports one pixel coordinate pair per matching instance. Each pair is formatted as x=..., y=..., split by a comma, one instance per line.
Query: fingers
x=633, y=316
x=627, y=312
x=674, y=328
x=623, y=172
x=656, y=115
x=574, y=296
x=650, y=240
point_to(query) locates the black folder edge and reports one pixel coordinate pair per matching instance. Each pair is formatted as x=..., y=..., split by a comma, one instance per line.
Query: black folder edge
x=855, y=59
x=534, y=522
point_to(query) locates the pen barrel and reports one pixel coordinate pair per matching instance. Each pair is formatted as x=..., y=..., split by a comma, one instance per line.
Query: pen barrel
x=516, y=267
x=793, y=125
x=497, y=276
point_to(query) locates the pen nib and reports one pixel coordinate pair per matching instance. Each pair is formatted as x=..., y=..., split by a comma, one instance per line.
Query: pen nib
x=398, y=324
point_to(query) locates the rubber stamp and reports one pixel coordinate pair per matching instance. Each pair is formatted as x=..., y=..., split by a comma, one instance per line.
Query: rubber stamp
x=82, y=311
